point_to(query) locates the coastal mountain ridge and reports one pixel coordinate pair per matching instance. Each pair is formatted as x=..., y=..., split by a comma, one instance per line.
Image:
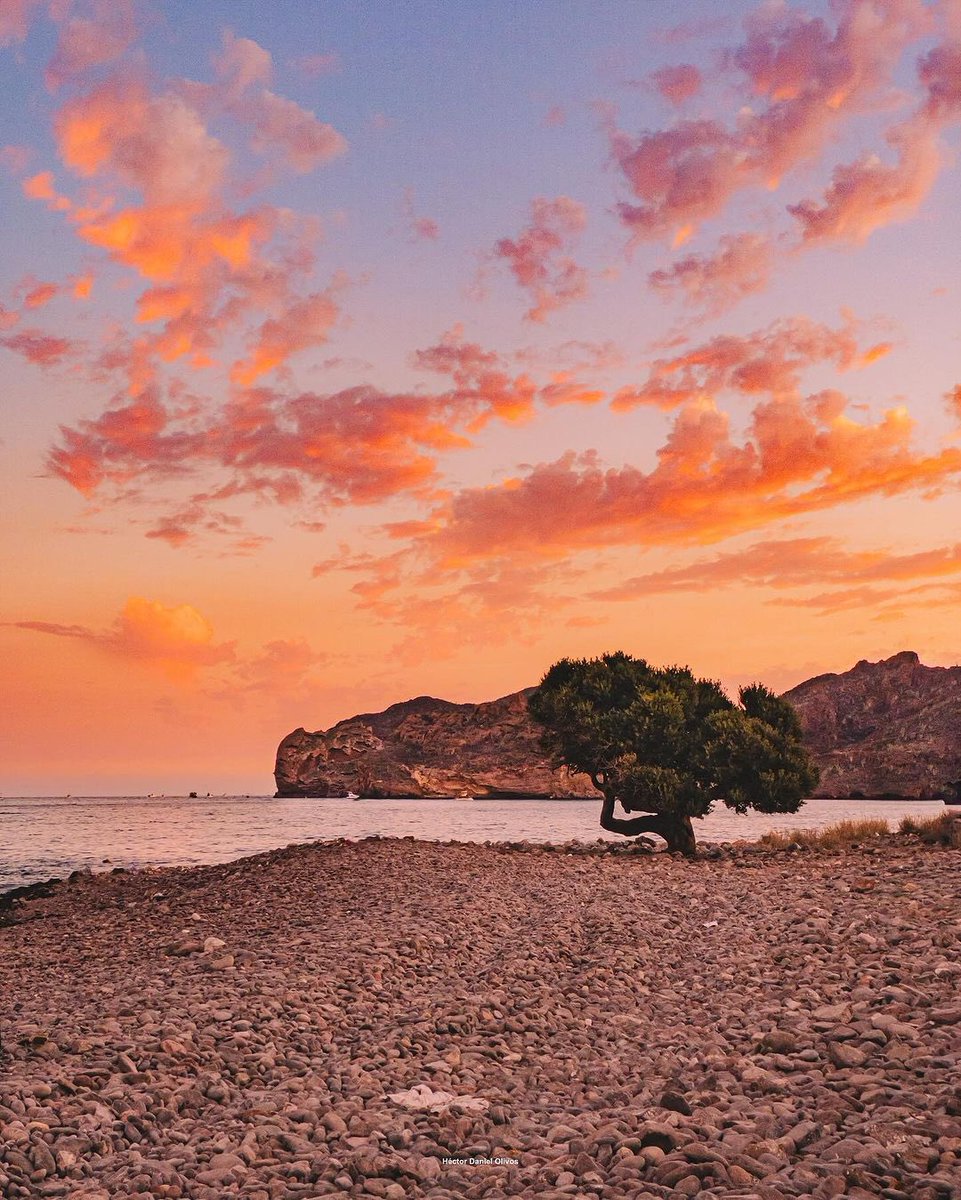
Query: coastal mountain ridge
x=880, y=729
x=886, y=728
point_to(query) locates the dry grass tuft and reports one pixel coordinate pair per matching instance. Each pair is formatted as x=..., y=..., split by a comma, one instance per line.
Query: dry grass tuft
x=930, y=829
x=832, y=837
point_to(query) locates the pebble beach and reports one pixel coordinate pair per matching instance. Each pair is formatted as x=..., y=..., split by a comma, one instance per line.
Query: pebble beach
x=396, y=1018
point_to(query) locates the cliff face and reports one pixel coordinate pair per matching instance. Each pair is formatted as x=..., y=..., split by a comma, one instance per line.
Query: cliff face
x=887, y=727
x=426, y=747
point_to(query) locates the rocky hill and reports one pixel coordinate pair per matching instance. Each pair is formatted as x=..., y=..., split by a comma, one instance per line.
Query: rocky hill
x=886, y=728
x=426, y=747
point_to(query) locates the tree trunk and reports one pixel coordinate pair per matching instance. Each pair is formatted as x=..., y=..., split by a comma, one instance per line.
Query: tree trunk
x=677, y=831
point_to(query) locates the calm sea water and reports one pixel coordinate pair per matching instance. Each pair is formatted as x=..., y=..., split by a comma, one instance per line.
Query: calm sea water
x=42, y=837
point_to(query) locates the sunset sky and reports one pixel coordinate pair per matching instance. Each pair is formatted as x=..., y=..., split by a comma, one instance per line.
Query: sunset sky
x=352, y=352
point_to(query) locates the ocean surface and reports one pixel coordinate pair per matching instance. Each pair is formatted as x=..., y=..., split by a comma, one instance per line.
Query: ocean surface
x=43, y=837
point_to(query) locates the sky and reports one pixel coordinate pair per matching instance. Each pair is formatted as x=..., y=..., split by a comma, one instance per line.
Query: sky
x=350, y=353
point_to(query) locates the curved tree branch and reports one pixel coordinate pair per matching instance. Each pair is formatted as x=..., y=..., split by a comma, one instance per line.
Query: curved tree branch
x=678, y=832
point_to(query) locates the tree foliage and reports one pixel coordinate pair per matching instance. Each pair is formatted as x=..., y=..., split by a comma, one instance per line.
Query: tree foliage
x=662, y=742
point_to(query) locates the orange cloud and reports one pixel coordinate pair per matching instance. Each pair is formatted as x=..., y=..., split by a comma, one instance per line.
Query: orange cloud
x=799, y=456
x=155, y=144
x=136, y=437
x=209, y=269
x=304, y=324
x=714, y=283
x=539, y=260
x=177, y=639
x=360, y=445
x=40, y=186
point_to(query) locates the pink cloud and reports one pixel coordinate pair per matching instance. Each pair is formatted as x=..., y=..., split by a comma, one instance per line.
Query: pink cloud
x=714, y=283
x=805, y=79
x=360, y=445
x=16, y=17
x=136, y=437
x=86, y=42
x=792, y=563
x=14, y=158
x=420, y=229
x=770, y=360
x=156, y=144
x=677, y=84
x=40, y=294
x=278, y=125
x=539, y=257
x=869, y=193
x=41, y=349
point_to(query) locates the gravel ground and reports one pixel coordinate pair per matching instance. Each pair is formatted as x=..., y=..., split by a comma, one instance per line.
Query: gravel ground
x=340, y=1019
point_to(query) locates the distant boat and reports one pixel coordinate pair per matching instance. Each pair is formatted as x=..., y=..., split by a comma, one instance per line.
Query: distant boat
x=352, y=796
x=463, y=797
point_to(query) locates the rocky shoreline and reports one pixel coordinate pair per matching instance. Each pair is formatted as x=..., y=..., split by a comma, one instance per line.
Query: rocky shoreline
x=396, y=1018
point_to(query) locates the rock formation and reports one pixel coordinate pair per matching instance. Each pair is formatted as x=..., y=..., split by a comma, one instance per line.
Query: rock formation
x=891, y=728
x=427, y=747
x=887, y=728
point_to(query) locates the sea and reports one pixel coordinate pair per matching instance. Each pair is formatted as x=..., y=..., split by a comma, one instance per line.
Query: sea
x=43, y=837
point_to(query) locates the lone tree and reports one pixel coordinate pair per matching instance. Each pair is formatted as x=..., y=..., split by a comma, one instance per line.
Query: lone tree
x=666, y=744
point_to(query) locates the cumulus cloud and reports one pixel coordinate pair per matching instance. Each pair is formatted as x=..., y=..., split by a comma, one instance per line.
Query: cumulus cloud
x=279, y=126
x=360, y=445
x=870, y=193
x=539, y=257
x=799, y=456
x=212, y=272
x=176, y=638
x=714, y=283
x=157, y=144
x=804, y=79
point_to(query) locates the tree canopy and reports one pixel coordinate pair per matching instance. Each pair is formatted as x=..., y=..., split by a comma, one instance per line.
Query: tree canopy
x=665, y=743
